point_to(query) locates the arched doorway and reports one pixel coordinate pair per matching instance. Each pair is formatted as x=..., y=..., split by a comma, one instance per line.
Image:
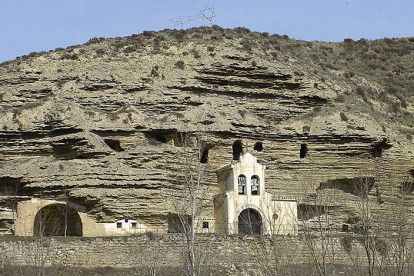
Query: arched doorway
x=57, y=220
x=237, y=150
x=250, y=222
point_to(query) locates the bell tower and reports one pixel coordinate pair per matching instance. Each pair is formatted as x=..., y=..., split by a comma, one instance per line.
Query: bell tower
x=243, y=206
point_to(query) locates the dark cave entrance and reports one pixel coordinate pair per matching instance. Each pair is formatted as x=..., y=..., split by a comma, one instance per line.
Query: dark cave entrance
x=114, y=145
x=237, y=150
x=56, y=220
x=303, y=151
x=204, y=157
x=258, y=146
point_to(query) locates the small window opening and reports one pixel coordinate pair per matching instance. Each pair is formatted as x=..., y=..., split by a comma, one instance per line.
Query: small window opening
x=242, y=184
x=119, y=225
x=204, y=157
x=255, y=185
x=306, y=129
x=345, y=227
x=133, y=225
x=114, y=145
x=126, y=220
x=237, y=150
x=258, y=146
x=205, y=225
x=303, y=150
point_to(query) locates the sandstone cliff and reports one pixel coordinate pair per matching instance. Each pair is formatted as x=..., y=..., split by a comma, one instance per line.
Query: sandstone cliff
x=99, y=120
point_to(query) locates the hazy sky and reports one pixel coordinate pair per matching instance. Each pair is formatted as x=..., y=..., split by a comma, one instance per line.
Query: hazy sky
x=40, y=25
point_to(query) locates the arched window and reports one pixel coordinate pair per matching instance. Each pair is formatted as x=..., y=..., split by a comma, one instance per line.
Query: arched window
x=255, y=182
x=242, y=180
x=237, y=150
x=57, y=220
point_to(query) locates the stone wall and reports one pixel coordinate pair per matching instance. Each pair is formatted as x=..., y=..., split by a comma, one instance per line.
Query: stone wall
x=165, y=250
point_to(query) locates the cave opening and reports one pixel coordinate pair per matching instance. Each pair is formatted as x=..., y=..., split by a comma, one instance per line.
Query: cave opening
x=237, y=150
x=258, y=146
x=114, y=144
x=156, y=137
x=57, y=220
x=377, y=152
x=303, y=150
x=204, y=157
x=161, y=139
x=378, y=149
x=10, y=186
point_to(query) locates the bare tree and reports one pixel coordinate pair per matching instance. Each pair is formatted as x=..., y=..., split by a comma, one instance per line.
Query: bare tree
x=319, y=222
x=363, y=186
x=269, y=249
x=147, y=255
x=401, y=239
x=188, y=201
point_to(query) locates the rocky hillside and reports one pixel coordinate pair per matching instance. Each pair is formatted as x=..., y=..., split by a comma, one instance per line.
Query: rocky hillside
x=99, y=120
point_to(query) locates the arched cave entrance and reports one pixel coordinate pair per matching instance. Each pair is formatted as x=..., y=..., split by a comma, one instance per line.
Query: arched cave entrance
x=237, y=150
x=250, y=223
x=56, y=220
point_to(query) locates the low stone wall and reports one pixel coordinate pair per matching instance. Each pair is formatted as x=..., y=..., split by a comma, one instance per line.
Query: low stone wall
x=164, y=250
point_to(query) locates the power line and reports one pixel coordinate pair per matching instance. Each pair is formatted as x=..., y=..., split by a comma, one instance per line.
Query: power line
x=206, y=14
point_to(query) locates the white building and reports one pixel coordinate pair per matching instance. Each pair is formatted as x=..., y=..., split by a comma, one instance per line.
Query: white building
x=244, y=206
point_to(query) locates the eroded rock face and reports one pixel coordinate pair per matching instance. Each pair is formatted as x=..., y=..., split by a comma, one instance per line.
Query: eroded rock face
x=103, y=128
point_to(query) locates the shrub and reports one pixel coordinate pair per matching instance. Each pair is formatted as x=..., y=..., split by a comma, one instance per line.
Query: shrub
x=346, y=243
x=60, y=83
x=180, y=64
x=242, y=30
x=195, y=53
x=147, y=33
x=154, y=72
x=317, y=109
x=71, y=56
x=129, y=49
x=340, y=99
x=100, y=52
x=95, y=40
x=210, y=48
x=247, y=45
x=360, y=91
x=343, y=117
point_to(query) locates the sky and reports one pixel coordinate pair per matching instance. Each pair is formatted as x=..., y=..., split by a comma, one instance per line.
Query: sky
x=41, y=25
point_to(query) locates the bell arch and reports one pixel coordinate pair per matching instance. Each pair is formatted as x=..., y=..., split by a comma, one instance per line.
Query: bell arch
x=250, y=222
x=57, y=220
